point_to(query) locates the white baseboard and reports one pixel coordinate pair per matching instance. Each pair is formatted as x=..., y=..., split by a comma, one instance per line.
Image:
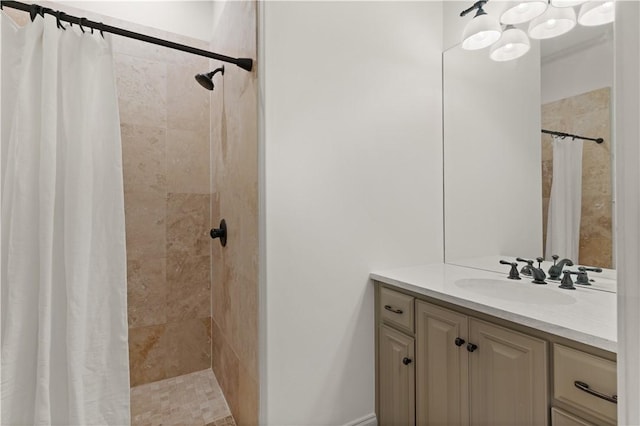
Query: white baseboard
x=368, y=420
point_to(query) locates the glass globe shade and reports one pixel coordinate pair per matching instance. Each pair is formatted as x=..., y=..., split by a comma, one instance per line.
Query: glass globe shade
x=482, y=31
x=513, y=44
x=597, y=13
x=518, y=12
x=554, y=22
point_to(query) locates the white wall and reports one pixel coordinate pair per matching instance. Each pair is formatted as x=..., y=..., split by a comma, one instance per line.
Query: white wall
x=492, y=155
x=627, y=134
x=189, y=18
x=353, y=183
x=578, y=72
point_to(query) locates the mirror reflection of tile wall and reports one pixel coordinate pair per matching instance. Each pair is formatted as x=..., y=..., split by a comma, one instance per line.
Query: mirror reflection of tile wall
x=588, y=115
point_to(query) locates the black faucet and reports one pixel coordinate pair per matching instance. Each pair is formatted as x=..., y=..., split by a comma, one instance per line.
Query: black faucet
x=526, y=269
x=513, y=273
x=583, y=279
x=556, y=269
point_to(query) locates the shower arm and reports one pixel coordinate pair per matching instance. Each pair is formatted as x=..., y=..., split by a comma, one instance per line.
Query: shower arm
x=33, y=9
x=214, y=72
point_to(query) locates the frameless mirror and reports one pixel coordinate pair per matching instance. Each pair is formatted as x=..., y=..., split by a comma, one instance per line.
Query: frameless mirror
x=500, y=168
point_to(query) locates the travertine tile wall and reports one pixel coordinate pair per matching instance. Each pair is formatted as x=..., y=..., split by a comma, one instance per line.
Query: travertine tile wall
x=234, y=139
x=588, y=114
x=164, y=118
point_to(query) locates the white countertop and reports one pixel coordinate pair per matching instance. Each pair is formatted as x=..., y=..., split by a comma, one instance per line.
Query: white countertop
x=582, y=315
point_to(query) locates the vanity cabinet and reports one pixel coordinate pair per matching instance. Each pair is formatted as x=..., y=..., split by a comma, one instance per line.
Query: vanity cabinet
x=396, y=378
x=469, y=371
x=443, y=364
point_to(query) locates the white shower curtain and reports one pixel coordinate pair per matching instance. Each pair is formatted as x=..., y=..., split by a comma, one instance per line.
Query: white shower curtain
x=565, y=203
x=64, y=328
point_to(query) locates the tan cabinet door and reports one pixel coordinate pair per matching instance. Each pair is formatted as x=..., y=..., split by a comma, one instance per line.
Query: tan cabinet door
x=396, y=369
x=508, y=377
x=442, y=366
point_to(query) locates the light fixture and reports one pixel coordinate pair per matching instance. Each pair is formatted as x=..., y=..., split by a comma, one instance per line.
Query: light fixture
x=596, y=13
x=553, y=22
x=512, y=44
x=482, y=31
x=566, y=3
x=518, y=12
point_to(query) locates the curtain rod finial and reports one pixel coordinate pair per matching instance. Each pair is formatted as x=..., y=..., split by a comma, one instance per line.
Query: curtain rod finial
x=245, y=63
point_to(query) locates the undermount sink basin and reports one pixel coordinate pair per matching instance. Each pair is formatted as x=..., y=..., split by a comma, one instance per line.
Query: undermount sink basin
x=521, y=291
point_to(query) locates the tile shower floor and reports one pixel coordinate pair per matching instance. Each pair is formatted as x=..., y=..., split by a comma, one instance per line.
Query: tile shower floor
x=191, y=399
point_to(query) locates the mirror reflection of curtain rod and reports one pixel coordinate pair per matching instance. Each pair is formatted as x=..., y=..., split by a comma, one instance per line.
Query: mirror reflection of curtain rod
x=569, y=135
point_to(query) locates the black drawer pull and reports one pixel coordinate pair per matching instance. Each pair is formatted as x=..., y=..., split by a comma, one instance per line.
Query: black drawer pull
x=585, y=387
x=459, y=342
x=390, y=309
x=471, y=347
x=406, y=361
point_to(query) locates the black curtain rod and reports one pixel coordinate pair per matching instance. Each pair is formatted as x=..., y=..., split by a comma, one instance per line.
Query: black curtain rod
x=34, y=9
x=569, y=135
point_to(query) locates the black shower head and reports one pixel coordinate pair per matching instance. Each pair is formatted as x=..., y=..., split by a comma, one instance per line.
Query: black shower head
x=206, y=80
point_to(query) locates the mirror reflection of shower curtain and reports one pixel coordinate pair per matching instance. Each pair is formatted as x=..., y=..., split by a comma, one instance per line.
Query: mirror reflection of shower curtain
x=565, y=202
x=64, y=325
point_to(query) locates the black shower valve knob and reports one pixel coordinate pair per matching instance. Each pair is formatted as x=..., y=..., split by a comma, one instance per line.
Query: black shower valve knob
x=220, y=232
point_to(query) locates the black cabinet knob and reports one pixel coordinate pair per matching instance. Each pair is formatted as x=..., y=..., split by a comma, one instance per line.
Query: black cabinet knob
x=459, y=342
x=471, y=347
x=406, y=361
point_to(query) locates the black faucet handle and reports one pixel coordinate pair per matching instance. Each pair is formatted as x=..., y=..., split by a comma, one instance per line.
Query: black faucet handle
x=513, y=273
x=519, y=259
x=555, y=258
x=567, y=283
x=539, y=260
x=584, y=269
x=583, y=278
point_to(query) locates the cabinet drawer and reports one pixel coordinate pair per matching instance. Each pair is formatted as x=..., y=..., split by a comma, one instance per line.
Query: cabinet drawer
x=571, y=366
x=562, y=418
x=396, y=308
